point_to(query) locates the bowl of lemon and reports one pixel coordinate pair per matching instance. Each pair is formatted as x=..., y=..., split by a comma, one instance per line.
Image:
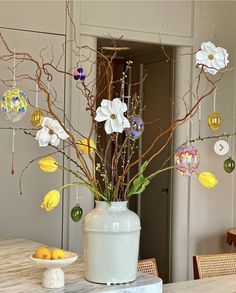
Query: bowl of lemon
x=53, y=259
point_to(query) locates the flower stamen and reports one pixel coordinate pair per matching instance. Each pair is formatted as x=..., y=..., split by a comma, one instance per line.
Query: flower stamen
x=50, y=132
x=113, y=116
x=210, y=57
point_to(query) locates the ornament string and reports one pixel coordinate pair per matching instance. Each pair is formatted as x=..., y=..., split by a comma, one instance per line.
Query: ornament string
x=13, y=130
x=13, y=152
x=229, y=141
x=14, y=69
x=214, y=99
x=188, y=130
x=77, y=195
x=199, y=119
x=37, y=96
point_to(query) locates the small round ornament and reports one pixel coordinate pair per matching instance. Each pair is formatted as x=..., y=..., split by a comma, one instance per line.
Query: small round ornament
x=14, y=104
x=136, y=128
x=214, y=121
x=229, y=165
x=76, y=213
x=187, y=159
x=36, y=117
x=79, y=74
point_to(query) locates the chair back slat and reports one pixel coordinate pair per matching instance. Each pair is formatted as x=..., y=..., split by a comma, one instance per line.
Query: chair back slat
x=148, y=266
x=214, y=265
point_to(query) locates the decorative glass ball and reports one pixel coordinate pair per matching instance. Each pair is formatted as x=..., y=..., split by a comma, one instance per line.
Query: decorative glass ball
x=214, y=121
x=229, y=165
x=187, y=159
x=36, y=117
x=76, y=213
x=136, y=128
x=14, y=104
x=79, y=74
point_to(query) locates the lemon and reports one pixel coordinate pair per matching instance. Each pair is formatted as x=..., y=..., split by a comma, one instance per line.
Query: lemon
x=43, y=252
x=58, y=253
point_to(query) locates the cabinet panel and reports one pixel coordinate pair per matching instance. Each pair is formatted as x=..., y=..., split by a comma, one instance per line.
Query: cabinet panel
x=46, y=16
x=21, y=215
x=166, y=17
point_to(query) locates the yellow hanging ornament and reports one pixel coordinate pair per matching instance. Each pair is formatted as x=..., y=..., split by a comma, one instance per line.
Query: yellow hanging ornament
x=36, y=117
x=214, y=121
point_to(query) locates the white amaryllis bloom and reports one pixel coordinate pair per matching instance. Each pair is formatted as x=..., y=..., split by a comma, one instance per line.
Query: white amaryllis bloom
x=113, y=113
x=214, y=58
x=50, y=133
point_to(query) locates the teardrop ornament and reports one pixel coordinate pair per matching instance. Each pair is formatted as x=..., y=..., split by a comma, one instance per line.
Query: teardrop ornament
x=76, y=213
x=214, y=121
x=36, y=117
x=229, y=165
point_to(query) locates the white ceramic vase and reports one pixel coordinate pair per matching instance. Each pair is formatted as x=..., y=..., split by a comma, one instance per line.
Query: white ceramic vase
x=111, y=243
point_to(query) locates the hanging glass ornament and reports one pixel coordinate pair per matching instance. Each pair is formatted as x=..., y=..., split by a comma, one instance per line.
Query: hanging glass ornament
x=136, y=128
x=76, y=213
x=214, y=121
x=14, y=104
x=36, y=117
x=187, y=159
x=79, y=74
x=229, y=165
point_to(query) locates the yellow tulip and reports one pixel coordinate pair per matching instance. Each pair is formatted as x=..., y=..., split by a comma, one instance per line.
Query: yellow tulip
x=207, y=179
x=85, y=146
x=51, y=200
x=48, y=164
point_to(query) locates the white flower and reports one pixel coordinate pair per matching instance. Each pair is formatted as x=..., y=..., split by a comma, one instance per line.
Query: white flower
x=50, y=133
x=214, y=58
x=112, y=113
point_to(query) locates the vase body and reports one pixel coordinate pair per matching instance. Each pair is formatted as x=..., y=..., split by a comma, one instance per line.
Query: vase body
x=111, y=243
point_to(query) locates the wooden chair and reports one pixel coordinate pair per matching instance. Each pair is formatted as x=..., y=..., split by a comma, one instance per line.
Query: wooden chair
x=213, y=265
x=148, y=266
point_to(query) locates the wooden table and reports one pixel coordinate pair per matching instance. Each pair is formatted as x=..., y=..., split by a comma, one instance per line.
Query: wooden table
x=224, y=284
x=19, y=275
x=231, y=236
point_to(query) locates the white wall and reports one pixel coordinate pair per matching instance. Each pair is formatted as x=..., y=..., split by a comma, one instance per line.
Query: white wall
x=212, y=212
x=28, y=26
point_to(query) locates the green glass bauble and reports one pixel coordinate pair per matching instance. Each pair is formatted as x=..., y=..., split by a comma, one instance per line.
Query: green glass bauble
x=229, y=165
x=214, y=121
x=76, y=213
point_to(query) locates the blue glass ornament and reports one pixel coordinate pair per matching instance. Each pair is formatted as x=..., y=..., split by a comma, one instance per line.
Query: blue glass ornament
x=136, y=128
x=14, y=104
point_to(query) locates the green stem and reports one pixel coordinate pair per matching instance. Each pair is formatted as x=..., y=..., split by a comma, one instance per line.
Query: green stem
x=159, y=171
x=83, y=184
x=76, y=174
x=68, y=185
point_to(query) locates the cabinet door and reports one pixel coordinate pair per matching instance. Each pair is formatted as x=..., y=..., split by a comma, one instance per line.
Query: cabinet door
x=21, y=215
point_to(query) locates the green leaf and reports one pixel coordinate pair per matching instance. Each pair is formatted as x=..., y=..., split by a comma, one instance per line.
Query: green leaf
x=139, y=185
x=143, y=167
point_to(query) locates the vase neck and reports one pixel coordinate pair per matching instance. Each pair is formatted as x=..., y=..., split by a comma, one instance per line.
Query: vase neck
x=113, y=205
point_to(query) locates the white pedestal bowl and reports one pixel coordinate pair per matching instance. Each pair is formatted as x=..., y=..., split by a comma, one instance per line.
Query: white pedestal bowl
x=53, y=276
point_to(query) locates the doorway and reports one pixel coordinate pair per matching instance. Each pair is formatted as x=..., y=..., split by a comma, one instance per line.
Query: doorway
x=153, y=206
